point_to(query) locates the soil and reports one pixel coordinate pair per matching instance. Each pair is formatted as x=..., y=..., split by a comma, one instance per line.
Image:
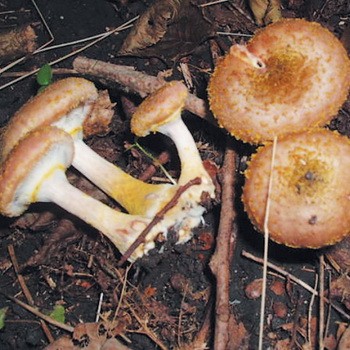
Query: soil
x=168, y=293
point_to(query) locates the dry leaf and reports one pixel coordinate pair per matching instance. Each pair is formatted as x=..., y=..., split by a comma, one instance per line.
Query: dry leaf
x=266, y=11
x=253, y=289
x=344, y=343
x=340, y=290
x=90, y=336
x=99, y=120
x=168, y=29
x=339, y=255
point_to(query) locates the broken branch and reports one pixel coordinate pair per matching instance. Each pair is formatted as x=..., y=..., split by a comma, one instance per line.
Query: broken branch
x=136, y=82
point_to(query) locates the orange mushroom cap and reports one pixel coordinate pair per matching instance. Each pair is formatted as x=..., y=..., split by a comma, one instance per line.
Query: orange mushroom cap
x=47, y=107
x=310, y=196
x=291, y=76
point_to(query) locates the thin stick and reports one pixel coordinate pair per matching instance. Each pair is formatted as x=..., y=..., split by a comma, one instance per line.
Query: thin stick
x=294, y=279
x=136, y=82
x=221, y=260
x=60, y=59
x=26, y=291
x=99, y=306
x=20, y=278
x=312, y=300
x=213, y=3
x=321, y=294
x=44, y=317
x=266, y=244
x=52, y=38
x=157, y=218
x=122, y=293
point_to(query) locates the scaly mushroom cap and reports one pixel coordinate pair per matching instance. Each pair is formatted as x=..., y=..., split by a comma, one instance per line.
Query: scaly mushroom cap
x=55, y=101
x=159, y=108
x=291, y=76
x=310, y=196
x=28, y=164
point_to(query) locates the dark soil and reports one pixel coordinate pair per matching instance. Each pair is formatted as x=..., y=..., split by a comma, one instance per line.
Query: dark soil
x=171, y=289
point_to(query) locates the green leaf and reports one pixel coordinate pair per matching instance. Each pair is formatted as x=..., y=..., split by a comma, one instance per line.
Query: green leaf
x=44, y=75
x=2, y=317
x=58, y=313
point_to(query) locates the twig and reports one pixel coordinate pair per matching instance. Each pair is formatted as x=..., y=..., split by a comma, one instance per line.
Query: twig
x=20, y=278
x=266, y=244
x=147, y=174
x=294, y=279
x=309, y=318
x=26, y=291
x=136, y=82
x=42, y=316
x=321, y=294
x=60, y=59
x=220, y=262
x=99, y=306
x=157, y=218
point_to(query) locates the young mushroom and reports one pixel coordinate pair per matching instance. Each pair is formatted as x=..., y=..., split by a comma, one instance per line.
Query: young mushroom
x=161, y=112
x=34, y=171
x=291, y=76
x=310, y=196
x=67, y=104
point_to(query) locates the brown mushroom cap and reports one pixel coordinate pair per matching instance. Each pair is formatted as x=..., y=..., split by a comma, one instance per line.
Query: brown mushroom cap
x=310, y=197
x=159, y=108
x=291, y=76
x=47, y=107
x=29, y=163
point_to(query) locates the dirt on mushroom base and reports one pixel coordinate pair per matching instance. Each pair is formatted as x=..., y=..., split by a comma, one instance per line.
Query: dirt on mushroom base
x=69, y=268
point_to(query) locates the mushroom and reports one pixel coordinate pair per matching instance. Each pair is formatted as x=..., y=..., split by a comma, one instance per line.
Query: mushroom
x=34, y=171
x=161, y=112
x=66, y=104
x=292, y=75
x=310, y=196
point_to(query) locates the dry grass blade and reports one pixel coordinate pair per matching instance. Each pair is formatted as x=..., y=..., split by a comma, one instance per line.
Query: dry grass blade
x=266, y=244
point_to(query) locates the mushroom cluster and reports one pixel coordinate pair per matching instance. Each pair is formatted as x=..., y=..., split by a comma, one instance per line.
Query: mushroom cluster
x=287, y=83
x=52, y=123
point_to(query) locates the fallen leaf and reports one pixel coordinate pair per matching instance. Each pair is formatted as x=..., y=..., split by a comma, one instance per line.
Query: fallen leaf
x=58, y=313
x=340, y=290
x=168, y=29
x=278, y=288
x=253, y=289
x=266, y=11
x=344, y=343
x=2, y=317
x=280, y=309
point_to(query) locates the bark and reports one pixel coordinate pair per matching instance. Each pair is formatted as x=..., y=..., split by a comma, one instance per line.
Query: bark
x=229, y=334
x=136, y=82
x=17, y=42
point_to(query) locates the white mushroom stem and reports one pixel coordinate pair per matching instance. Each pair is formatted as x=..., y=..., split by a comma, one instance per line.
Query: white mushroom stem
x=135, y=196
x=191, y=162
x=67, y=104
x=34, y=171
x=161, y=112
x=122, y=229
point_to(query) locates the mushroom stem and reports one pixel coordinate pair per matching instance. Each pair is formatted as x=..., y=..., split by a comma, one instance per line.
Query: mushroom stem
x=161, y=112
x=67, y=104
x=34, y=171
x=191, y=162
x=135, y=196
x=122, y=229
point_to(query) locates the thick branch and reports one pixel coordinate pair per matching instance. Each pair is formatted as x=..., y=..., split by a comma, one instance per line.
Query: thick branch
x=221, y=260
x=136, y=82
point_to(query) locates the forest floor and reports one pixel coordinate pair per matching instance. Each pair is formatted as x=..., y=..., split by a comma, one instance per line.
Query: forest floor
x=166, y=300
